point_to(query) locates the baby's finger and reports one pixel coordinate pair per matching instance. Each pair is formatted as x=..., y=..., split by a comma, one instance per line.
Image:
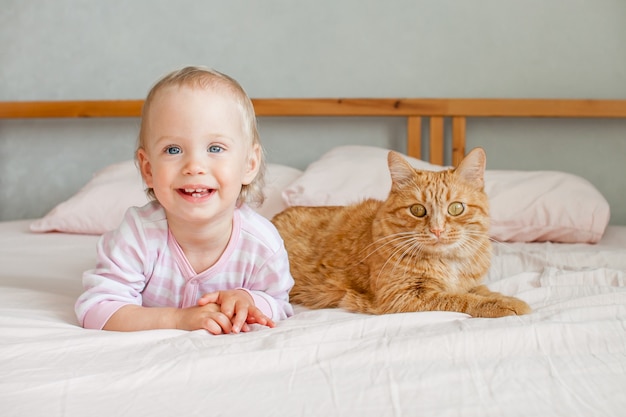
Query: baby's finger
x=211, y=297
x=218, y=320
x=255, y=315
x=212, y=327
x=228, y=307
x=240, y=319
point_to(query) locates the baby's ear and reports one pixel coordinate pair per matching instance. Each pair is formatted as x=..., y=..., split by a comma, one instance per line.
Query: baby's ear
x=144, y=167
x=472, y=167
x=253, y=165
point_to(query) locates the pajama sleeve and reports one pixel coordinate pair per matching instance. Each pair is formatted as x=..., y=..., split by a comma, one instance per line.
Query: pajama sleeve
x=271, y=287
x=118, y=278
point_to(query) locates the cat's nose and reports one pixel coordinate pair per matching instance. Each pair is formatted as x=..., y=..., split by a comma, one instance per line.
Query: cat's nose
x=436, y=232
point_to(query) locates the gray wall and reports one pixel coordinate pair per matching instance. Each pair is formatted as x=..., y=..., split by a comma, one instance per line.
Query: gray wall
x=75, y=49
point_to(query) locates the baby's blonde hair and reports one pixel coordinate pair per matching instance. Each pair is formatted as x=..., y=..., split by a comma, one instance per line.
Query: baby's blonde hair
x=207, y=78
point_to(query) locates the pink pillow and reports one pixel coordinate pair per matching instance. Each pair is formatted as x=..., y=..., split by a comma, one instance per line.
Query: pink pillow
x=345, y=175
x=100, y=205
x=277, y=178
x=525, y=206
x=538, y=206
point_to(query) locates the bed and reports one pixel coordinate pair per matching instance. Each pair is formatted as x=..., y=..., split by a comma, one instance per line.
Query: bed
x=555, y=250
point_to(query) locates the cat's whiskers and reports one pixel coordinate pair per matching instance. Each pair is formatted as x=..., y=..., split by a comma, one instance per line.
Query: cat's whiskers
x=503, y=244
x=408, y=243
x=409, y=246
x=414, y=253
x=393, y=238
x=467, y=245
x=405, y=242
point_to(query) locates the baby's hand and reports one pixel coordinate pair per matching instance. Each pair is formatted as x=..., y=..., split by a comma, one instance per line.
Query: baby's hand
x=207, y=317
x=239, y=307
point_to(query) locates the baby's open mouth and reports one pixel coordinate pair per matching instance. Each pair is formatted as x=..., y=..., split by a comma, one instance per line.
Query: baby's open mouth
x=196, y=192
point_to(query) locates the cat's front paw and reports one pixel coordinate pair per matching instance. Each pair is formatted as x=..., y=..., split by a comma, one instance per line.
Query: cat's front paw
x=508, y=306
x=519, y=307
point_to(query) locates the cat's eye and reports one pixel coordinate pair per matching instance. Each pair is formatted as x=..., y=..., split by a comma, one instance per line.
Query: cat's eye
x=418, y=210
x=456, y=208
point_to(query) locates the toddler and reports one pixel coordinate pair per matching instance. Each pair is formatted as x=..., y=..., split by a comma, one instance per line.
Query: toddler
x=197, y=256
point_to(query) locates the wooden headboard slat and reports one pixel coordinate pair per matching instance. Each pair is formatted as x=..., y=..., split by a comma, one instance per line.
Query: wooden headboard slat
x=70, y=109
x=436, y=140
x=458, y=139
x=342, y=107
x=414, y=136
x=442, y=107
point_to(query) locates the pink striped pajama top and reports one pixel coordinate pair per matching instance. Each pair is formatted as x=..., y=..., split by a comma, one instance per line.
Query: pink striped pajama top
x=141, y=263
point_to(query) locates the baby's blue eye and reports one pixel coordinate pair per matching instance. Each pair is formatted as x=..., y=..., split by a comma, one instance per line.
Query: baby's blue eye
x=215, y=149
x=173, y=150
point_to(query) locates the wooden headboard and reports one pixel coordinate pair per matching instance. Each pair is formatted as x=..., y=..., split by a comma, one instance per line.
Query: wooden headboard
x=436, y=111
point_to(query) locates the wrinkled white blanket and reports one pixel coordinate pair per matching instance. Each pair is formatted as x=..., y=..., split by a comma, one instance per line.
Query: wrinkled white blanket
x=566, y=358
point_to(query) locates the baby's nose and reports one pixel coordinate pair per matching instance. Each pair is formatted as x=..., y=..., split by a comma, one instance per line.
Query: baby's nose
x=194, y=165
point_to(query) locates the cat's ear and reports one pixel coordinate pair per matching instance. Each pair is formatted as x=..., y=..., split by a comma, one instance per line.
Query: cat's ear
x=472, y=167
x=401, y=171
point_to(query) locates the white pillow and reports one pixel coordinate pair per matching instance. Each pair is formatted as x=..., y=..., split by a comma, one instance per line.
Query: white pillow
x=524, y=206
x=100, y=205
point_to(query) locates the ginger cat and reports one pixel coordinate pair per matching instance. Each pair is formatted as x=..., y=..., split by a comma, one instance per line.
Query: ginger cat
x=426, y=247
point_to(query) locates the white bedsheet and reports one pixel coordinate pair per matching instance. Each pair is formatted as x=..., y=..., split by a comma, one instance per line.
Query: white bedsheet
x=566, y=358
